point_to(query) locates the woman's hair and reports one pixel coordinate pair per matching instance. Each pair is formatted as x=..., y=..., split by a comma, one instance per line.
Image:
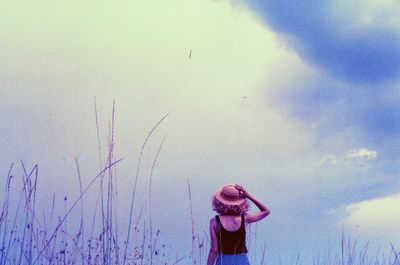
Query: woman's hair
x=222, y=208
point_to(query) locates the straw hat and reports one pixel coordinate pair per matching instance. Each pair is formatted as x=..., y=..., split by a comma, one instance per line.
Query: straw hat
x=229, y=195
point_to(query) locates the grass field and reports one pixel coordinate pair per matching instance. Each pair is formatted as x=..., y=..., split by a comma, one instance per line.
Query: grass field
x=35, y=236
x=31, y=235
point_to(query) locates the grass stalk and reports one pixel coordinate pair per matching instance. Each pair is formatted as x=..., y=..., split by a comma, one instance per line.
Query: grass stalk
x=192, y=222
x=150, y=209
x=135, y=183
x=81, y=227
x=73, y=206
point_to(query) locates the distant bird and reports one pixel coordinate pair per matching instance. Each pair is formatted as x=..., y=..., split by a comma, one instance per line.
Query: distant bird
x=244, y=97
x=190, y=54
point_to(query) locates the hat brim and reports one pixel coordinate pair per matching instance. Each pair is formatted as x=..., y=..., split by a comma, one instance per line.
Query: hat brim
x=225, y=201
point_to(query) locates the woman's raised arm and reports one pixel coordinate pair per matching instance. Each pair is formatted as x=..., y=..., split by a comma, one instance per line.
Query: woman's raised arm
x=253, y=217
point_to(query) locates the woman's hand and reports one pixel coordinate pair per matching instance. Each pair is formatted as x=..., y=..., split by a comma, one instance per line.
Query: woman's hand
x=242, y=191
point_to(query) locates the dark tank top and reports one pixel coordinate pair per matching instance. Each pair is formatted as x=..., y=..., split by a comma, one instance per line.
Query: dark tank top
x=231, y=242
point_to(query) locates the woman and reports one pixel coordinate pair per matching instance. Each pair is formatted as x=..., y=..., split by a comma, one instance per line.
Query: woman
x=227, y=230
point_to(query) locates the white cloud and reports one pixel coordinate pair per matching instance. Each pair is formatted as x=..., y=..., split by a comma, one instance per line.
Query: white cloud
x=352, y=156
x=138, y=54
x=362, y=153
x=368, y=13
x=376, y=219
x=221, y=124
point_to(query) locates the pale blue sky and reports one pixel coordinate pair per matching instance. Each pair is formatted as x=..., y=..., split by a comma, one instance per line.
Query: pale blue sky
x=298, y=102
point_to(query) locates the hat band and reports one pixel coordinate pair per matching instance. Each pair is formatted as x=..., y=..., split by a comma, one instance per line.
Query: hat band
x=229, y=197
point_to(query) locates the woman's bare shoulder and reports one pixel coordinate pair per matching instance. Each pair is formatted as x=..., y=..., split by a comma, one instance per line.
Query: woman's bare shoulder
x=213, y=223
x=213, y=219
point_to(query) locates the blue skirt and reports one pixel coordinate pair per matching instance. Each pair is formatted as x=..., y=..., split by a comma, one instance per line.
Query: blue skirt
x=235, y=259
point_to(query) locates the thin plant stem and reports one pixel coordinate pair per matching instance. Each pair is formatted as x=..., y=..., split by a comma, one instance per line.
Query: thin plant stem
x=192, y=221
x=73, y=206
x=150, y=185
x=135, y=183
x=81, y=228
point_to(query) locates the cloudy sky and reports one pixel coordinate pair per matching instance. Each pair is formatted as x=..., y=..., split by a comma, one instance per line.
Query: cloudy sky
x=299, y=102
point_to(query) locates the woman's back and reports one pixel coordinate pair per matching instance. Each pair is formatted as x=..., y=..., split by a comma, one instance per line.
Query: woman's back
x=231, y=222
x=231, y=234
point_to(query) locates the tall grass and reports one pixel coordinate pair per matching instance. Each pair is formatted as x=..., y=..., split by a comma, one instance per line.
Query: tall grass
x=32, y=236
x=29, y=238
x=29, y=235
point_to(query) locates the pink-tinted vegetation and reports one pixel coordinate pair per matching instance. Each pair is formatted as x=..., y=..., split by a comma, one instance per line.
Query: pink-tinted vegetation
x=29, y=235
